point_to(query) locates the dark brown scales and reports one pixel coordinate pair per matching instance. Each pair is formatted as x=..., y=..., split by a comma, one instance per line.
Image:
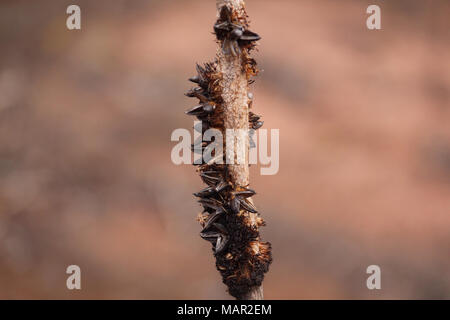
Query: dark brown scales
x=241, y=257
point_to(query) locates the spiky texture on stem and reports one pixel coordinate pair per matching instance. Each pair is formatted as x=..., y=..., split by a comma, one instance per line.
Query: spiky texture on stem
x=229, y=218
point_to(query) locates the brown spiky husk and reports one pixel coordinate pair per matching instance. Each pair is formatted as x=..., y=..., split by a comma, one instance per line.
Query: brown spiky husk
x=245, y=259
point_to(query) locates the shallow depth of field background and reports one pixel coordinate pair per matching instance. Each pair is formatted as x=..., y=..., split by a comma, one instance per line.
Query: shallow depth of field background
x=85, y=170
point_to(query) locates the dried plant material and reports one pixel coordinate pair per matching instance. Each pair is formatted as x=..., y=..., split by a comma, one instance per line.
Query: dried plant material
x=230, y=219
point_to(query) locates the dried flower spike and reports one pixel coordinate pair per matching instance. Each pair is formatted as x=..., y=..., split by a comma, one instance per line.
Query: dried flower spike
x=230, y=219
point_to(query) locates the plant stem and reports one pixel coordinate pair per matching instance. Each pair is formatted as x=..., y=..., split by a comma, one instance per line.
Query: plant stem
x=235, y=95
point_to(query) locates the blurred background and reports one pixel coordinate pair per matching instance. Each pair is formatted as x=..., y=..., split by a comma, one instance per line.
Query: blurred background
x=85, y=170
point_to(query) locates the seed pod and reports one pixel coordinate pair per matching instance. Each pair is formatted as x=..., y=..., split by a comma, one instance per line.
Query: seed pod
x=195, y=111
x=241, y=258
x=258, y=125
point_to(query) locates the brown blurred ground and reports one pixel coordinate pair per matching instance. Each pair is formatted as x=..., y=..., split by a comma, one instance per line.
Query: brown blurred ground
x=85, y=170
